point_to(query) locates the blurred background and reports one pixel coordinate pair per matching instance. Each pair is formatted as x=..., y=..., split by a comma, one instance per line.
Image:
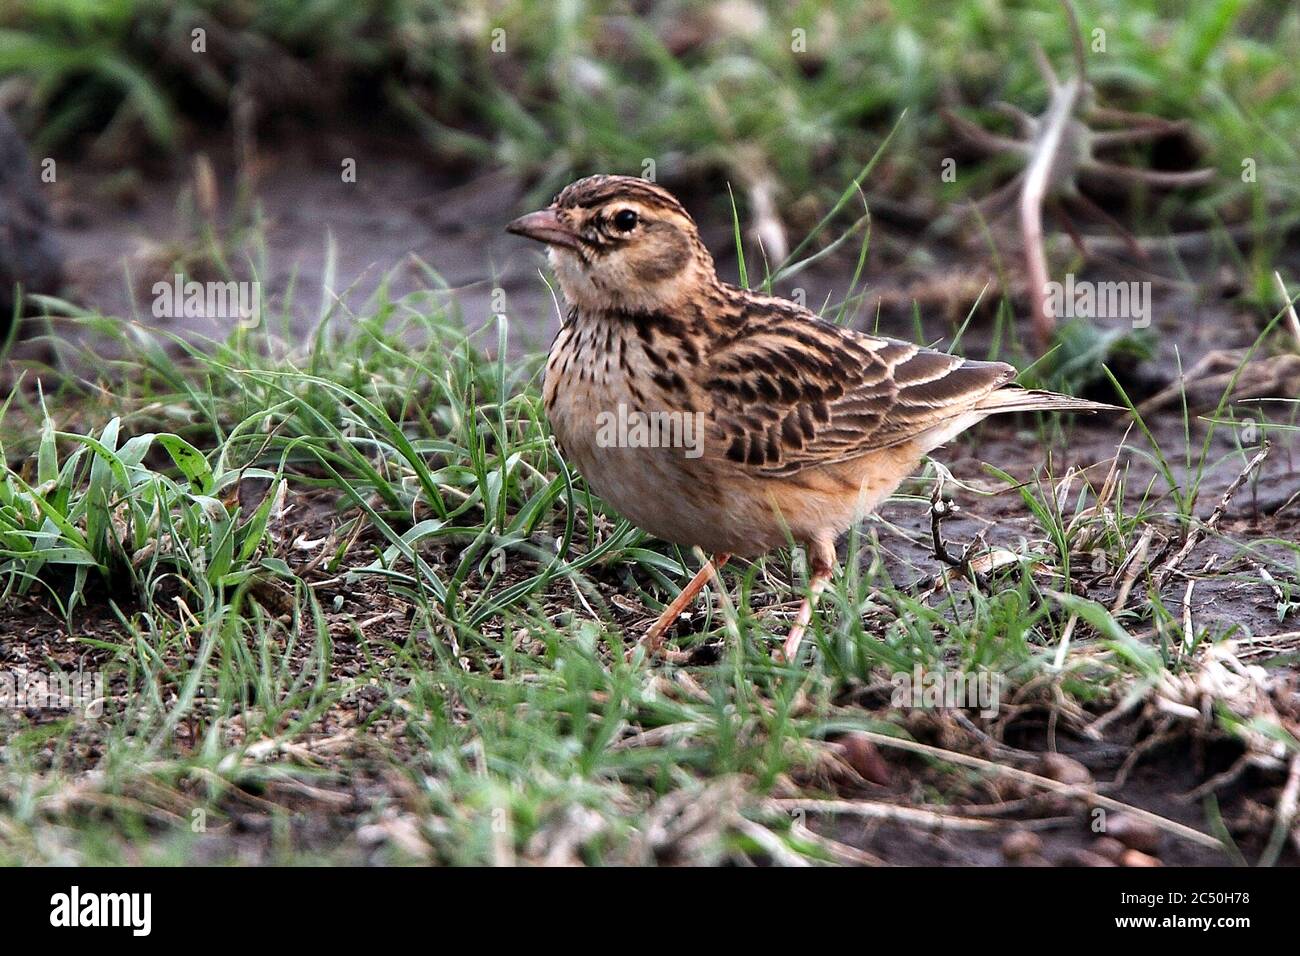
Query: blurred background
x=336, y=147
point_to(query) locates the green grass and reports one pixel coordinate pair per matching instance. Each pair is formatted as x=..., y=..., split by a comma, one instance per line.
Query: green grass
x=104, y=512
x=448, y=643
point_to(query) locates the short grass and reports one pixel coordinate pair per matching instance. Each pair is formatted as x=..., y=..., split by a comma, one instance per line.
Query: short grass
x=349, y=604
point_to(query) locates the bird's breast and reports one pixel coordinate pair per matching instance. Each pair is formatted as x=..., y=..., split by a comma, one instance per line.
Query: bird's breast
x=626, y=418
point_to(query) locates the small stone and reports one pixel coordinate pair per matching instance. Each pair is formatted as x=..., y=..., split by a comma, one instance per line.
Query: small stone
x=861, y=754
x=1134, y=832
x=1138, y=858
x=1065, y=769
x=1020, y=844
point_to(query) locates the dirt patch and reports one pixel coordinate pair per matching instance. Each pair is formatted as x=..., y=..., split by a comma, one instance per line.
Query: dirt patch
x=1030, y=827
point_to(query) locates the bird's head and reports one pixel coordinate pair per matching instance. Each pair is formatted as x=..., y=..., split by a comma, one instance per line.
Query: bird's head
x=621, y=243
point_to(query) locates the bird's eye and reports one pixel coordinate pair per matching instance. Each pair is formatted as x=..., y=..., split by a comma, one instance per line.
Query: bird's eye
x=625, y=220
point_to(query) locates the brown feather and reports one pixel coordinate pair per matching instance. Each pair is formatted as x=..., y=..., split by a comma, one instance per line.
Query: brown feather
x=864, y=392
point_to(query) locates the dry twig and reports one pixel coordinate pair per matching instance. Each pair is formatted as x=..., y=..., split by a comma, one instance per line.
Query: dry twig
x=1195, y=536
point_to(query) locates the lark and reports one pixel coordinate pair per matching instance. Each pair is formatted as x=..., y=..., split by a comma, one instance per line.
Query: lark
x=804, y=426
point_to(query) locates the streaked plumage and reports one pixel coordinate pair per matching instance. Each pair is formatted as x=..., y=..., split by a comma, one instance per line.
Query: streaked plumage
x=806, y=425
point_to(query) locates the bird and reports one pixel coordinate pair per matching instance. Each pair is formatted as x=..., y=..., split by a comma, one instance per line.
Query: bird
x=719, y=418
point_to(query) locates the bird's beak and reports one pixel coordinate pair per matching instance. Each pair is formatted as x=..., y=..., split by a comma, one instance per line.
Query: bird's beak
x=544, y=226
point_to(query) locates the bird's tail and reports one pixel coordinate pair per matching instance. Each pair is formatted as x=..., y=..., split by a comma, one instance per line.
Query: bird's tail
x=1012, y=399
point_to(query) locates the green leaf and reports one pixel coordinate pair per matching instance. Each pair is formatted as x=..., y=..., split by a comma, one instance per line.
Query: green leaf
x=192, y=463
x=47, y=455
x=1145, y=659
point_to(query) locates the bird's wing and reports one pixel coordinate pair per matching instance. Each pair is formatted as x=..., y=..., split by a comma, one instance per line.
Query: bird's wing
x=791, y=391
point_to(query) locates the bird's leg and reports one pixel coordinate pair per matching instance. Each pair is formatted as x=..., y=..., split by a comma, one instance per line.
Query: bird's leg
x=822, y=562
x=654, y=637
